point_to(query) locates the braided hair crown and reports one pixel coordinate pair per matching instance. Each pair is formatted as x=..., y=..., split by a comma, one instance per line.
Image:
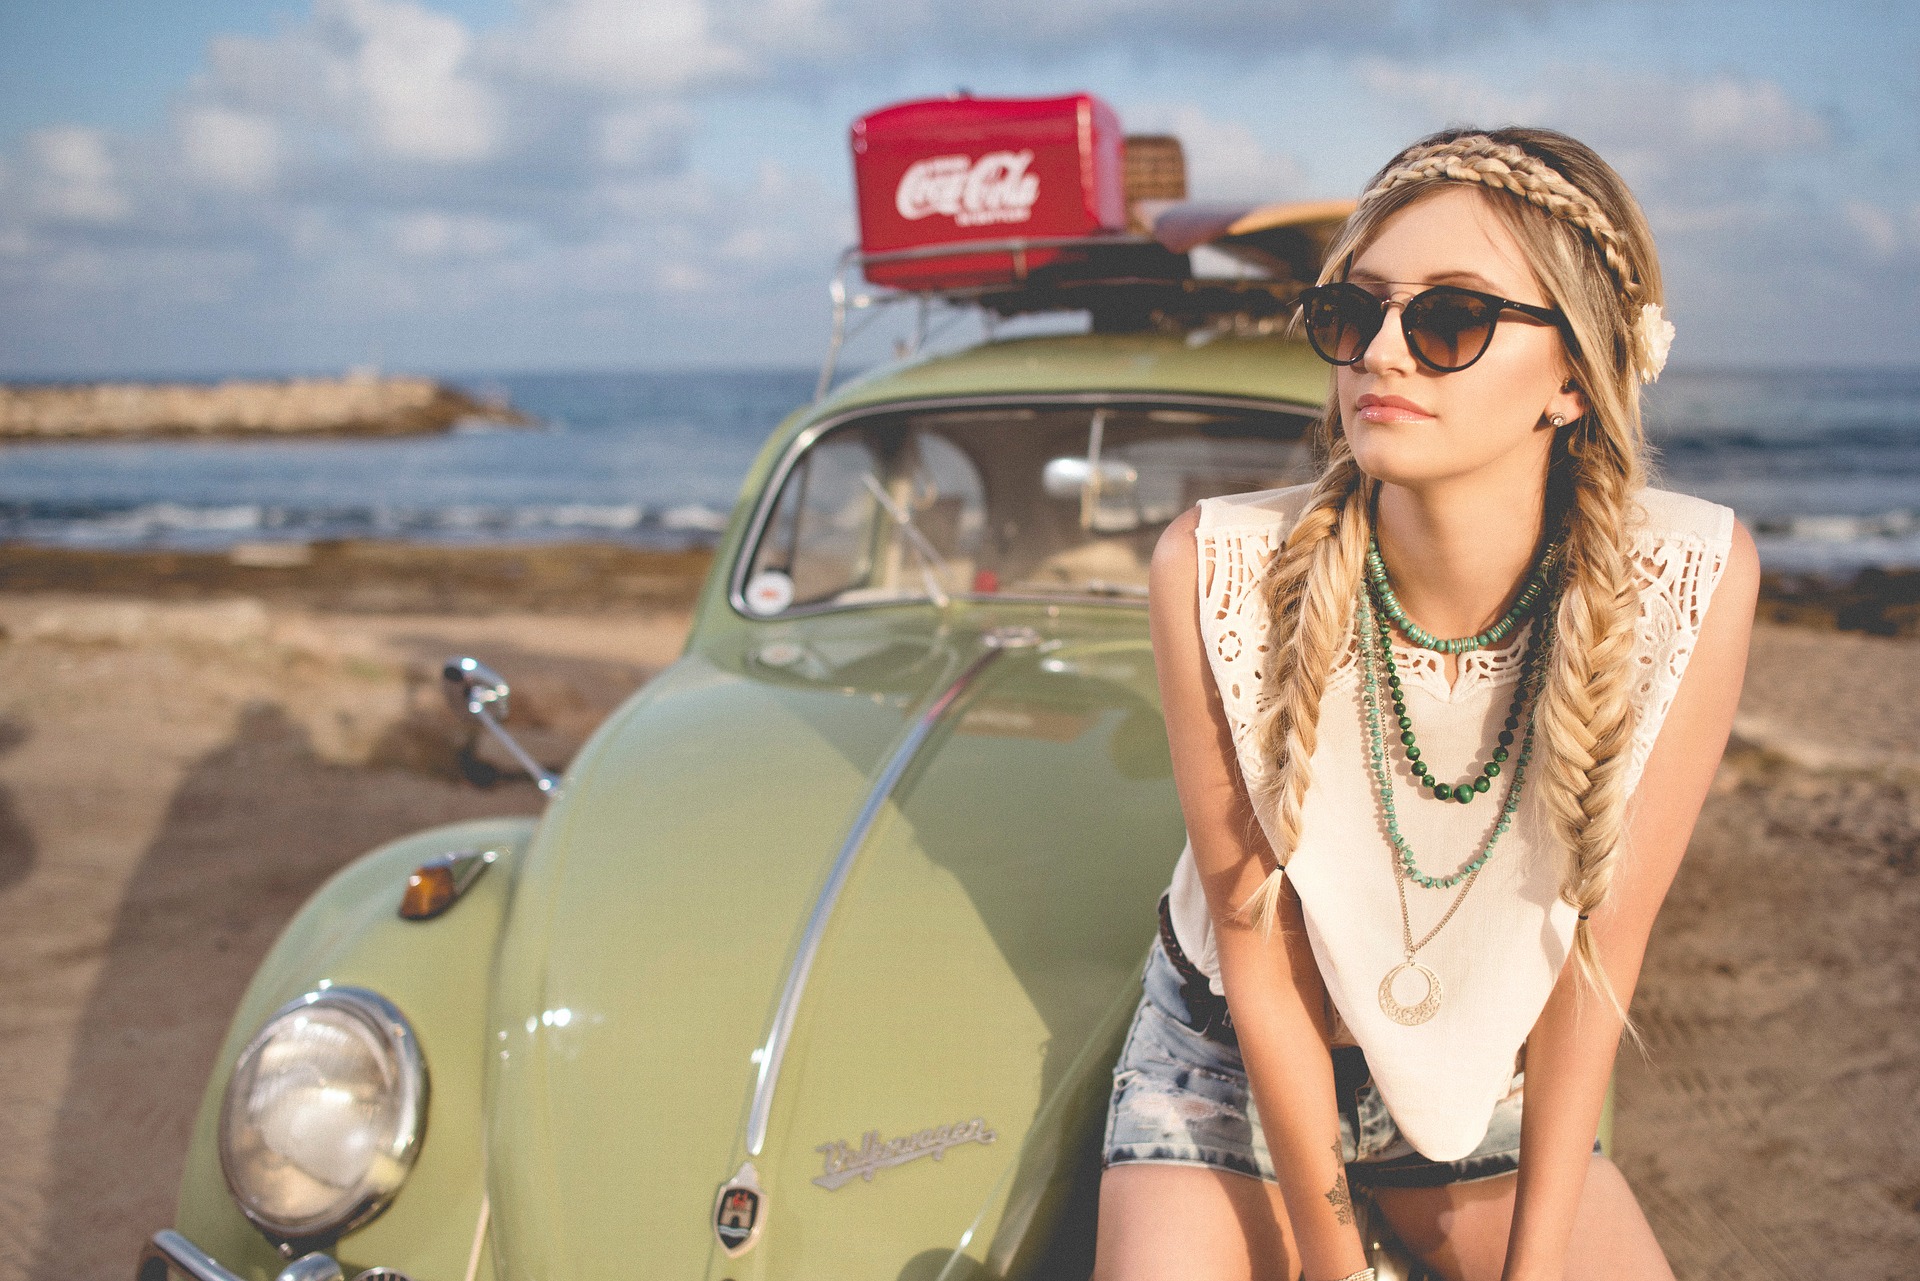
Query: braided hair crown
x=1507, y=164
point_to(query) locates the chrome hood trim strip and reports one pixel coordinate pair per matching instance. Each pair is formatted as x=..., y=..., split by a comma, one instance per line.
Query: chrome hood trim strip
x=774, y=1049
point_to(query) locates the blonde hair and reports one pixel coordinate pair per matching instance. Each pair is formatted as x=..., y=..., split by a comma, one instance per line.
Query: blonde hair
x=1587, y=242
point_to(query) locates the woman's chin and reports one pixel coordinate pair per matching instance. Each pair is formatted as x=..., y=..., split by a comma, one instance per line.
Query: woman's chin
x=1405, y=462
x=1415, y=458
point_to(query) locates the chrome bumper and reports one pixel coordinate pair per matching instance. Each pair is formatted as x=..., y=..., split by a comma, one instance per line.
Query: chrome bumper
x=168, y=1250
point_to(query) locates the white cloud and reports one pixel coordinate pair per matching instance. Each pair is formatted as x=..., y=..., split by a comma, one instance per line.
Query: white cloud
x=1748, y=115
x=229, y=149
x=409, y=68
x=394, y=161
x=647, y=135
x=1697, y=151
x=401, y=79
x=74, y=177
x=1449, y=97
x=620, y=49
x=1613, y=109
x=1876, y=227
x=433, y=234
x=1884, y=233
x=623, y=48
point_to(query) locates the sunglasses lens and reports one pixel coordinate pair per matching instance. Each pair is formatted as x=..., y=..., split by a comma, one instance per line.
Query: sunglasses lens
x=1341, y=320
x=1450, y=329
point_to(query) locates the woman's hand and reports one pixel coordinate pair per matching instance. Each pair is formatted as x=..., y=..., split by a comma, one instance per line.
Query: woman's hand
x=1273, y=985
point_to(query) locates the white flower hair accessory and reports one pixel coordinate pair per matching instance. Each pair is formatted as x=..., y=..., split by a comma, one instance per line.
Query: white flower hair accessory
x=1653, y=334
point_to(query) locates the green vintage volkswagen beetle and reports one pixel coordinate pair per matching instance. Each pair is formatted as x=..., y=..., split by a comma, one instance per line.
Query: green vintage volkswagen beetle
x=818, y=962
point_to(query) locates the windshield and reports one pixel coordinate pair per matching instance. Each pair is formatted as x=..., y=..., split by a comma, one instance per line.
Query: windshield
x=1017, y=500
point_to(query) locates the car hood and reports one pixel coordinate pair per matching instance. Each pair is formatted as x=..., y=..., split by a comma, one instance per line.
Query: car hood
x=991, y=917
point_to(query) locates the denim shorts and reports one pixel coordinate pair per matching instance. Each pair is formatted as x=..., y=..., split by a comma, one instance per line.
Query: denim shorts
x=1180, y=1097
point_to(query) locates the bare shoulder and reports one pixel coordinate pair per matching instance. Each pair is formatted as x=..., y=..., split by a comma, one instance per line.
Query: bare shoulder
x=1172, y=592
x=1173, y=563
x=1740, y=580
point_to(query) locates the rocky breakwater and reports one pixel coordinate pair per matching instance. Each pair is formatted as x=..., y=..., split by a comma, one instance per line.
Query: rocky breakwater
x=355, y=405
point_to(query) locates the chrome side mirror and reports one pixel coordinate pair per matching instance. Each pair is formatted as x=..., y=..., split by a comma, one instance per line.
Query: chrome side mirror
x=474, y=689
x=471, y=685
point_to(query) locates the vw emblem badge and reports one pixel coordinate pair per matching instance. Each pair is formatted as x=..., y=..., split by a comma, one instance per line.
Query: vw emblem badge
x=738, y=1211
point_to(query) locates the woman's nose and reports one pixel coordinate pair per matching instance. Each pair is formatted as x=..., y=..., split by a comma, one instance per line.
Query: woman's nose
x=1388, y=353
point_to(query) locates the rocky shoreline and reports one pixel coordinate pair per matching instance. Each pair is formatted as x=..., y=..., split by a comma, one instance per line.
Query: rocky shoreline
x=354, y=405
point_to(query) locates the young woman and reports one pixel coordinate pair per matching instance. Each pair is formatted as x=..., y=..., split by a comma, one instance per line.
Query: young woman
x=1441, y=723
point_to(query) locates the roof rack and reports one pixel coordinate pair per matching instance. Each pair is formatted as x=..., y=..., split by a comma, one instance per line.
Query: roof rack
x=1125, y=281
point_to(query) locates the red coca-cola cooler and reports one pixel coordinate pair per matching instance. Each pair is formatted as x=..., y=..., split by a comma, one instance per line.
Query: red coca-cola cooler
x=949, y=172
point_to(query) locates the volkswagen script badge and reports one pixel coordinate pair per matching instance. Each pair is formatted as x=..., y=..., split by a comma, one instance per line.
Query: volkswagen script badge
x=738, y=1211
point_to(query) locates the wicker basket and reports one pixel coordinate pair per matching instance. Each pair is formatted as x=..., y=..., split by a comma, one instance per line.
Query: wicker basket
x=1153, y=167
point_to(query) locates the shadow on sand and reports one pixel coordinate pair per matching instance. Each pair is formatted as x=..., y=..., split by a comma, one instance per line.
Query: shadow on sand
x=18, y=848
x=255, y=827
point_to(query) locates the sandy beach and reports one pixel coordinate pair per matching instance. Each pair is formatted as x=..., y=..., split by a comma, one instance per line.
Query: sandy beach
x=187, y=751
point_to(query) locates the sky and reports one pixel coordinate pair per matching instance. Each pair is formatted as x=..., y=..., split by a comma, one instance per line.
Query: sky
x=205, y=187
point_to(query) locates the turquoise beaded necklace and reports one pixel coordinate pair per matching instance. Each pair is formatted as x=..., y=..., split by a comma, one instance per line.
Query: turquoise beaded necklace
x=1393, y=615
x=1522, y=606
x=1375, y=635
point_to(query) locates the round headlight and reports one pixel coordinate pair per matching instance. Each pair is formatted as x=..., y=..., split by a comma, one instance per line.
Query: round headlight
x=324, y=1114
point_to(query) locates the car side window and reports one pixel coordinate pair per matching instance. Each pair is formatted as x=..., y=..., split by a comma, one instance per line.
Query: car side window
x=822, y=533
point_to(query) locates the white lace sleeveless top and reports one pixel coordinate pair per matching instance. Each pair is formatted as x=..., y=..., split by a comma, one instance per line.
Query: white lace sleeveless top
x=1499, y=956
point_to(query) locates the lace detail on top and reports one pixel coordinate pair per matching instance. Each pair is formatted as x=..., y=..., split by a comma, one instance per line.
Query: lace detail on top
x=1676, y=573
x=1675, y=570
x=1234, y=626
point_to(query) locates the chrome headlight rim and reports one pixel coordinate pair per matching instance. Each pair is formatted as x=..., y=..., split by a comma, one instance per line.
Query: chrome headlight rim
x=396, y=1035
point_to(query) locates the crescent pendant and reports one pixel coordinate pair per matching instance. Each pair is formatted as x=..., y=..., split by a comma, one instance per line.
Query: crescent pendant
x=1418, y=1013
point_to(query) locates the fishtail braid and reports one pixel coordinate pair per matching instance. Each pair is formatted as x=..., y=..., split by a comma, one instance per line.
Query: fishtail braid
x=1308, y=591
x=1585, y=715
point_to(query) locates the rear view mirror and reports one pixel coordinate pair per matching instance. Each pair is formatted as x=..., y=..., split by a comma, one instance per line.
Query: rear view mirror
x=1068, y=477
x=1107, y=490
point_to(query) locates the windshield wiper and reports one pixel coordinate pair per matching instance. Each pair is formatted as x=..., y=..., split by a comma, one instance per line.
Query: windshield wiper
x=930, y=560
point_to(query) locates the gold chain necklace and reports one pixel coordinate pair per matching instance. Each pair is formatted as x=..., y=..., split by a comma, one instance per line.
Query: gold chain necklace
x=1428, y=1005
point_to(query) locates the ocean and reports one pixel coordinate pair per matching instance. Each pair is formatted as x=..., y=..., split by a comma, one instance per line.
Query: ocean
x=1824, y=466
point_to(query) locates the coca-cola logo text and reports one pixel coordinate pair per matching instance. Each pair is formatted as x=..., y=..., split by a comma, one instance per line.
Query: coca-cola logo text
x=994, y=188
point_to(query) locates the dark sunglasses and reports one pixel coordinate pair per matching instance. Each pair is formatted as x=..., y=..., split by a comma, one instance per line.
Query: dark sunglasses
x=1447, y=327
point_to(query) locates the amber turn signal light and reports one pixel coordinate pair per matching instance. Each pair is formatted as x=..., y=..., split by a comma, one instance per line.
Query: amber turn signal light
x=438, y=883
x=429, y=891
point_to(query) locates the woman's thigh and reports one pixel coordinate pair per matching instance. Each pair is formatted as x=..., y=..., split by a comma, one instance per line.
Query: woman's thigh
x=1164, y=1222
x=1460, y=1230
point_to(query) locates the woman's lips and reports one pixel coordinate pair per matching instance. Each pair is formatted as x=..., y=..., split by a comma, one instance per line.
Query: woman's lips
x=1389, y=409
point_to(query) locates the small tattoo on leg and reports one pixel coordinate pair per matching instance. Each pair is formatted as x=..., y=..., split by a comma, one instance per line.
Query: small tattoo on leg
x=1337, y=1195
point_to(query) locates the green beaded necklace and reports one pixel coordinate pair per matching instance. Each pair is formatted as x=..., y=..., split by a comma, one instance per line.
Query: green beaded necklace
x=1374, y=634
x=1522, y=605
x=1460, y=792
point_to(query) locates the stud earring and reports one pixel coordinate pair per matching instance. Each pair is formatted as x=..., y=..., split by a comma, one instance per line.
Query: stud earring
x=1558, y=420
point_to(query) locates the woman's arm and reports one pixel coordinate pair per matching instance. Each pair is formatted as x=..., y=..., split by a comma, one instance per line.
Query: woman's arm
x=1273, y=986
x=1571, y=1050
